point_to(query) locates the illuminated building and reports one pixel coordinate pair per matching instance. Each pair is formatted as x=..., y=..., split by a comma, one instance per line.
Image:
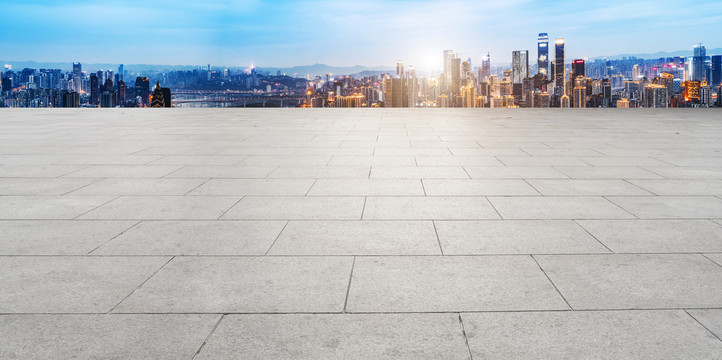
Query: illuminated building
x=623, y=104
x=142, y=90
x=446, y=76
x=455, y=76
x=691, y=91
x=578, y=68
x=444, y=101
x=543, y=54
x=496, y=102
x=564, y=101
x=468, y=93
x=559, y=71
x=396, y=95
x=519, y=70
x=719, y=96
x=77, y=77
x=636, y=72
x=656, y=96
x=161, y=97
x=580, y=97
x=699, y=63
x=705, y=96
x=121, y=93
x=413, y=87
x=465, y=72
x=399, y=68
x=351, y=101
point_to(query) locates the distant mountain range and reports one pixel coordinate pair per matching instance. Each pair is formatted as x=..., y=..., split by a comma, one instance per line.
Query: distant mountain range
x=301, y=70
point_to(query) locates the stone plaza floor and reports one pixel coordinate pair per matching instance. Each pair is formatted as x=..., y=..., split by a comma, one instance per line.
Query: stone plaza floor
x=360, y=234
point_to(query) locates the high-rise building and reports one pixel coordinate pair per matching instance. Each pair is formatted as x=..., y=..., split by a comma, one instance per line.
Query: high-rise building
x=399, y=68
x=485, y=70
x=121, y=93
x=519, y=70
x=636, y=72
x=656, y=96
x=559, y=72
x=716, y=71
x=691, y=91
x=580, y=97
x=705, y=96
x=161, y=97
x=543, y=54
x=465, y=72
x=455, y=83
x=94, y=89
x=578, y=68
x=77, y=77
x=396, y=94
x=446, y=76
x=142, y=89
x=699, y=63
x=120, y=72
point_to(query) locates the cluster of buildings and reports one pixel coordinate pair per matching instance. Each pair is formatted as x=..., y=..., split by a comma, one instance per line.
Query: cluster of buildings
x=553, y=81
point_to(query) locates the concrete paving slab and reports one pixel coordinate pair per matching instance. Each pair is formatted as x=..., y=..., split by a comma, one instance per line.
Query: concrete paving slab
x=297, y=208
x=48, y=207
x=139, y=187
x=443, y=284
x=164, y=208
x=428, y=208
x=104, y=336
x=244, y=284
x=670, y=207
x=348, y=336
x=589, y=335
x=557, y=207
x=57, y=237
x=621, y=281
x=487, y=187
x=277, y=187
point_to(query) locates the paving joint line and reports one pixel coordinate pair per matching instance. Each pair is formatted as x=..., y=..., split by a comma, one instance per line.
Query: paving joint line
x=466, y=338
x=348, y=288
x=114, y=237
x=701, y=324
x=277, y=237
x=141, y=285
x=205, y=341
x=552, y=282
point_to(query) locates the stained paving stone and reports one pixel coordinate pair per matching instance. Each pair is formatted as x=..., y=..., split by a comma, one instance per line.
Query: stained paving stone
x=589, y=335
x=349, y=336
x=359, y=233
x=117, y=336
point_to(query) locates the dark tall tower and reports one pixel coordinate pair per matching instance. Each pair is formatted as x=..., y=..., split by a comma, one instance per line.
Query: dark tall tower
x=716, y=71
x=578, y=68
x=543, y=54
x=142, y=89
x=699, y=63
x=94, y=89
x=121, y=93
x=559, y=67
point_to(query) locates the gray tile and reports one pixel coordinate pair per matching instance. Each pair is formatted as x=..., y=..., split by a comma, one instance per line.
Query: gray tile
x=515, y=237
x=222, y=172
x=657, y=236
x=297, y=208
x=711, y=319
x=70, y=284
x=140, y=187
x=41, y=186
x=458, y=283
x=244, y=284
x=635, y=281
x=607, y=172
x=586, y=187
x=367, y=187
x=254, y=187
x=428, y=208
x=548, y=207
x=195, y=238
x=624, y=161
x=48, y=207
x=104, y=336
x=164, y=208
x=589, y=335
x=369, y=160
x=56, y=237
x=124, y=171
x=45, y=171
x=681, y=187
x=418, y=172
x=448, y=160
x=514, y=172
x=670, y=207
x=689, y=173
x=198, y=160
x=716, y=258
x=322, y=336
x=320, y=172
x=435, y=187
x=357, y=238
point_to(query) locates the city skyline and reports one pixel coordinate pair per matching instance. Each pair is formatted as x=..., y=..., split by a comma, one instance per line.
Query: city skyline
x=284, y=34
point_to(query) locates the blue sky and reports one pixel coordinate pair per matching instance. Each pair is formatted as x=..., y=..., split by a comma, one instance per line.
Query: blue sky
x=342, y=33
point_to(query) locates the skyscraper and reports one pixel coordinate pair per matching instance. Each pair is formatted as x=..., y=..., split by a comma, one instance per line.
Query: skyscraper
x=142, y=89
x=448, y=57
x=94, y=89
x=543, y=54
x=485, y=68
x=559, y=66
x=399, y=68
x=519, y=70
x=77, y=76
x=455, y=83
x=120, y=72
x=699, y=60
x=716, y=71
x=578, y=68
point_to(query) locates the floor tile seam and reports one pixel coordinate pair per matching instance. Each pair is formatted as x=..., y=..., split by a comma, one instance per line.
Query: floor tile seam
x=231, y=207
x=306, y=255
x=141, y=284
x=95, y=208
x=168, y=175
x=466, y=339
x=114, y=237
x=348, y=286
x=593, y=236
x=431, y=312
x=208, y=337
x=96, y=180
x=642, y=188
x=552, y=282
x=620, y=207
x=194, y=188
x=703, y=325
x=278, y=236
